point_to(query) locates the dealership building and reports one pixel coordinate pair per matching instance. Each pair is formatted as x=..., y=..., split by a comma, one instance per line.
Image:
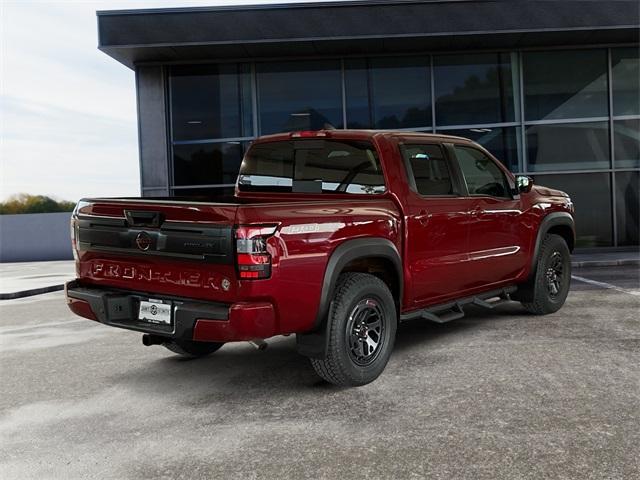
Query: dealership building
x=551, y=88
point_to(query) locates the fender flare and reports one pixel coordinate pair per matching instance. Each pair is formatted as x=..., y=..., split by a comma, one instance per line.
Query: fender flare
x=314, y=343
x=551, y=220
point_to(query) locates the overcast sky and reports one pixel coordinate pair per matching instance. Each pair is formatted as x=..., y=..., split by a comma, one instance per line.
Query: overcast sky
x=68, y=111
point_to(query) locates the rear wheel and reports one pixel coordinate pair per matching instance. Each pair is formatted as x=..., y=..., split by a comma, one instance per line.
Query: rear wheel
x=189, y=348
x=547, y=290
x=362, y=330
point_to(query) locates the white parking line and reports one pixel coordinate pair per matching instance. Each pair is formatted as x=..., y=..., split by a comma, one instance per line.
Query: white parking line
x=605, y=285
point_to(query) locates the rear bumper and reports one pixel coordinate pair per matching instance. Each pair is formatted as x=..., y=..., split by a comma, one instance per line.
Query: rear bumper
x=191, y=320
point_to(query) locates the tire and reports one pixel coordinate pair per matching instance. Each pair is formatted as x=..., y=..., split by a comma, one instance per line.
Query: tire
x=189, y=348
x=362, y=314
x=547, y=290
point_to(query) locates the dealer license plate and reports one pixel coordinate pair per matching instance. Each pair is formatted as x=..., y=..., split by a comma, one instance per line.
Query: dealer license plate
x=154, y=311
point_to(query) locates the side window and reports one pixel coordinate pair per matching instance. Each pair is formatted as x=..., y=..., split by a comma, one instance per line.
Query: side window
x=429, y=169
x=482, y=175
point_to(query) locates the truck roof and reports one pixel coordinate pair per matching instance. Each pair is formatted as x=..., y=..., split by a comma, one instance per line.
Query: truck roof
x=358, y=135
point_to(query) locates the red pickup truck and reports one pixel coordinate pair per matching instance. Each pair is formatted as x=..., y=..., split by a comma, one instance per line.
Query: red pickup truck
x=334, y=235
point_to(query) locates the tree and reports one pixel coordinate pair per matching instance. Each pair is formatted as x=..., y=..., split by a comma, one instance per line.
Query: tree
x=25, y=203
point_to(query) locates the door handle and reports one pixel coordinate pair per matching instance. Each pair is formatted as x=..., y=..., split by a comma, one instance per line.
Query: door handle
x=423, y=217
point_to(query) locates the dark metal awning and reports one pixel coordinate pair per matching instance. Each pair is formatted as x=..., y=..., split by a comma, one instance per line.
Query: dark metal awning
x=361, y=27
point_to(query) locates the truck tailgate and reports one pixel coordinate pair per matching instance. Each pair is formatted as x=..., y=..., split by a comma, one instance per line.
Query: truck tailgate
x=177, y=248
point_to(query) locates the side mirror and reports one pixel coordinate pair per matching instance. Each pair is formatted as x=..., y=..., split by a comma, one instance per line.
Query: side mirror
x=524, y=183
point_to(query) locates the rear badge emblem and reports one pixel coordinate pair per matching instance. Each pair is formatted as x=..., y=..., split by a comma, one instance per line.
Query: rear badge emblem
x=143, y=241
x=226, y=284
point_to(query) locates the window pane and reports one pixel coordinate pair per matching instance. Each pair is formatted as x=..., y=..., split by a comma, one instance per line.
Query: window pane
x=207, y=164
x=356, y=75
x=571, y=146
x=312, y=166
x=429, y=169
x=299, y=96
x=565, y=84
x=503, y=143
x=625, y=67
x=628, y=206
x=473, y=89
x=626, y=139
x=591, y=195
x=212, y=101
x=388, y=93
x=482, y=175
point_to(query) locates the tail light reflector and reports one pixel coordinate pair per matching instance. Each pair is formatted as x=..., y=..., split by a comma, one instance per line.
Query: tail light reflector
x=252, y=257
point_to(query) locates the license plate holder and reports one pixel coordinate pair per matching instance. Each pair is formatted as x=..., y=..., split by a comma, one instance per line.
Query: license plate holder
x=155, y=311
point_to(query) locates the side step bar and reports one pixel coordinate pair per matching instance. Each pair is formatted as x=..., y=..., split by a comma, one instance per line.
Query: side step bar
x=447, y=312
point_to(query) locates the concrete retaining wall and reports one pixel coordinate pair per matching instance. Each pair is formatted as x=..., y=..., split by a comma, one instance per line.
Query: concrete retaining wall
x=35, y=237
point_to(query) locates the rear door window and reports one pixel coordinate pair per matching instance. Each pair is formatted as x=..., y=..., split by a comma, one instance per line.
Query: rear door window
x=429, y=169
x=482, y=175
x=312, y=166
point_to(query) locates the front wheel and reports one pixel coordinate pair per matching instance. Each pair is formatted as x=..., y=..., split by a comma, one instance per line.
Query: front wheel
x=362, y=329
x=549, y=286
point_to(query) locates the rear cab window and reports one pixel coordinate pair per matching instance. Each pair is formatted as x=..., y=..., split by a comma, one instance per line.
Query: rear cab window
x=312, y=166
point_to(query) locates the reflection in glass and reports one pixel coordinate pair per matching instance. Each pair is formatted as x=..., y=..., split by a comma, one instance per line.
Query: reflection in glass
x=312, y=166
x=625, y=70
x=591, y=195
x=626, y=143
x=565, y=84
x=207, y=163
x=627, y=207
x=210, y=101
x=502, y=142
x=388, y=93
x=299, y=96
x=472, y=89
x=568, y=146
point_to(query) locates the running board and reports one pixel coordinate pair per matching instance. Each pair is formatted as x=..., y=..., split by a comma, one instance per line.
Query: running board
x=447, y=312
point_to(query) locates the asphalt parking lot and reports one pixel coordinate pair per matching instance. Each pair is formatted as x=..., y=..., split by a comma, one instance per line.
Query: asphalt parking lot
x=498, y=394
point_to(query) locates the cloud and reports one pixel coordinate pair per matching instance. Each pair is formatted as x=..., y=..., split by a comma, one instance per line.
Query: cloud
x=68, y=111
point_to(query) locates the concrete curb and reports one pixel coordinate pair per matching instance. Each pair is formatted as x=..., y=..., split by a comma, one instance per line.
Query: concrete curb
x=29, y=293
x=605, y=263
x=574, y=264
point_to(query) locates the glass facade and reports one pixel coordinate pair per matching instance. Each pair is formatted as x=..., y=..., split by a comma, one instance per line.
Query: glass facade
x=565, y=84
x=474, y=89
x=373, y=99
x=299, y=95
x=568, y=146
x=212, y=101
x=591, y=193
x=568, y=117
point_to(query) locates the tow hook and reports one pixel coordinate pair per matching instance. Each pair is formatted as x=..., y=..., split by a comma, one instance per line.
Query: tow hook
x=259, y=344
x=148, y=340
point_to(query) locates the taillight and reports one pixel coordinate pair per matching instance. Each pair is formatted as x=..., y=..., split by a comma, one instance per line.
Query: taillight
x=252, y=257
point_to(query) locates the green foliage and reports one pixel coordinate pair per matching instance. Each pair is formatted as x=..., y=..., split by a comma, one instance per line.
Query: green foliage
x=25, y=203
